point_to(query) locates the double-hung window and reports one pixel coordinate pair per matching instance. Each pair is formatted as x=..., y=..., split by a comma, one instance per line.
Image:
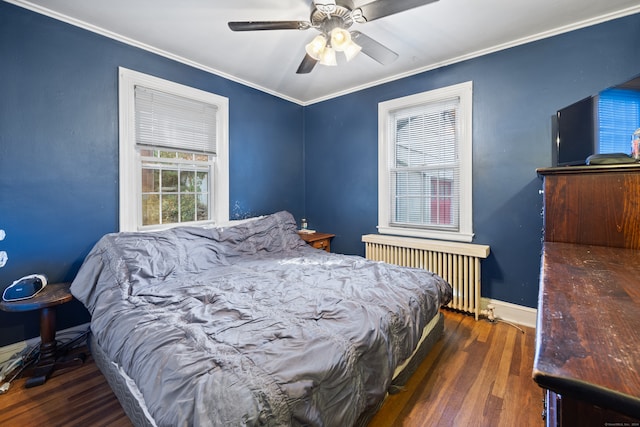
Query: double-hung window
x=424, y=170
x=173, y=154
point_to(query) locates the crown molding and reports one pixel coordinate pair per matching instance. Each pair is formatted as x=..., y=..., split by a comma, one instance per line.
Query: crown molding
x=518, y=42
x=135, y=43
x=497, y=48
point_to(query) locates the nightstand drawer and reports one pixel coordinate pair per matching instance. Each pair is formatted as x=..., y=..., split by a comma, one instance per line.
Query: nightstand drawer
x=318, y=240
x=322, y=244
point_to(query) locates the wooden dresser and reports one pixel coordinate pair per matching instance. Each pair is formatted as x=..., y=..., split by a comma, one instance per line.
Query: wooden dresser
x=588, y=329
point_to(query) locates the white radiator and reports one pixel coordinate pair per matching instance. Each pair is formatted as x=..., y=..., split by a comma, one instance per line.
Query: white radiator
x=457, y=263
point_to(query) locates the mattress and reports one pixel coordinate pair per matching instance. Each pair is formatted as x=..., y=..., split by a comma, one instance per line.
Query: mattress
x=248, y=325
x=134, y=406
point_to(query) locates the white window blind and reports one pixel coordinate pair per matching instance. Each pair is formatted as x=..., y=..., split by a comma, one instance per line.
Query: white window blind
x=618, y=118
x=170, y=121
x=425, y=164
x=425, y=167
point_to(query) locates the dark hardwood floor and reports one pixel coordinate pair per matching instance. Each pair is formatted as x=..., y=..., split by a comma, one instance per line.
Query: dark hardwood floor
x=479, y=374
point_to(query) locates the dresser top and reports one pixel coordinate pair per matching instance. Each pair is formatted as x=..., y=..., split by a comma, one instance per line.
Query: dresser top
x=588, y=332
x=625, y=167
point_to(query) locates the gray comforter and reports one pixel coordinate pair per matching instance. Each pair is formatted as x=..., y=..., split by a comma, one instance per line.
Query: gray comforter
x=248, y=325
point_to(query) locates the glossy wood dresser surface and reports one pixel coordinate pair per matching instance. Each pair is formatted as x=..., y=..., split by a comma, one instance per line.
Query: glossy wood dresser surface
x=588, y=339
x=588, y=334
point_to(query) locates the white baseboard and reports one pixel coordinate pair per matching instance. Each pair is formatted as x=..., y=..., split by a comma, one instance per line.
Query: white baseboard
x=518, y=314
x=9, y=350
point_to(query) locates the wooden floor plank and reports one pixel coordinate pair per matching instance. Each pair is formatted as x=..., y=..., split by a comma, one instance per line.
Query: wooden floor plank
x=504, y=369
x=481, y=385
x=478, y=374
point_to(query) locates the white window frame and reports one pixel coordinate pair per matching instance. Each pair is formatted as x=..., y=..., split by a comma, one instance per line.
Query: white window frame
x=130, y=162
x=464, y=91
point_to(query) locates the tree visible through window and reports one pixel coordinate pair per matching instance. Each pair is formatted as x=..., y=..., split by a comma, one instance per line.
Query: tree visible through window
x=175, y=187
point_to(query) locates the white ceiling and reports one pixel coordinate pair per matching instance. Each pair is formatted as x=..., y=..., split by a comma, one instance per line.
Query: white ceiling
x=436, y=34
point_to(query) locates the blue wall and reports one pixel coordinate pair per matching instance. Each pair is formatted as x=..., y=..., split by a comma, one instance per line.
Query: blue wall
x=516, y=92
x=59, y=149
x=59, y=146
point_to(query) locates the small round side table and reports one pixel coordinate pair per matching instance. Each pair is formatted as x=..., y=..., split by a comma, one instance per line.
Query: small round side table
x=50, y=359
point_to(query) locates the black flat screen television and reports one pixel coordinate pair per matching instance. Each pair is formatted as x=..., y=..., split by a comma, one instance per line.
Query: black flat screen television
x=576, y=129
x=574, y=133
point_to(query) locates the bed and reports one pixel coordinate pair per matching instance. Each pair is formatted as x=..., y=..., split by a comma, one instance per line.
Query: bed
x=248, y=325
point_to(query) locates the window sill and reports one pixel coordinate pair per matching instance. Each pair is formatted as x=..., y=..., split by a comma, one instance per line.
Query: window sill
x=427, y=234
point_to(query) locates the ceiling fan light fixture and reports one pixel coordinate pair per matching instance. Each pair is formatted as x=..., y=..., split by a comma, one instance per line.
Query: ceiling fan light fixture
x=328, y=57
x=340, y=39
x=316, y=47
x=352, y=50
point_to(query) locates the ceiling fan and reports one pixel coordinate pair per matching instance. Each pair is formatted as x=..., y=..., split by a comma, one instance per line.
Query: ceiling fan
x=333, y=18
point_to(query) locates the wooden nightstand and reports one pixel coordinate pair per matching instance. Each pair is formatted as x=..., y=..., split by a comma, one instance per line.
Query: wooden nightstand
x=46, y=301
x=318, y=240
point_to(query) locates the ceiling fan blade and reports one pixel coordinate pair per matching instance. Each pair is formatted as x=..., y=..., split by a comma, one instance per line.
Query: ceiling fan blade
x=269, y=25
x=381, y=8
x=372, y=48
x=306, y=65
